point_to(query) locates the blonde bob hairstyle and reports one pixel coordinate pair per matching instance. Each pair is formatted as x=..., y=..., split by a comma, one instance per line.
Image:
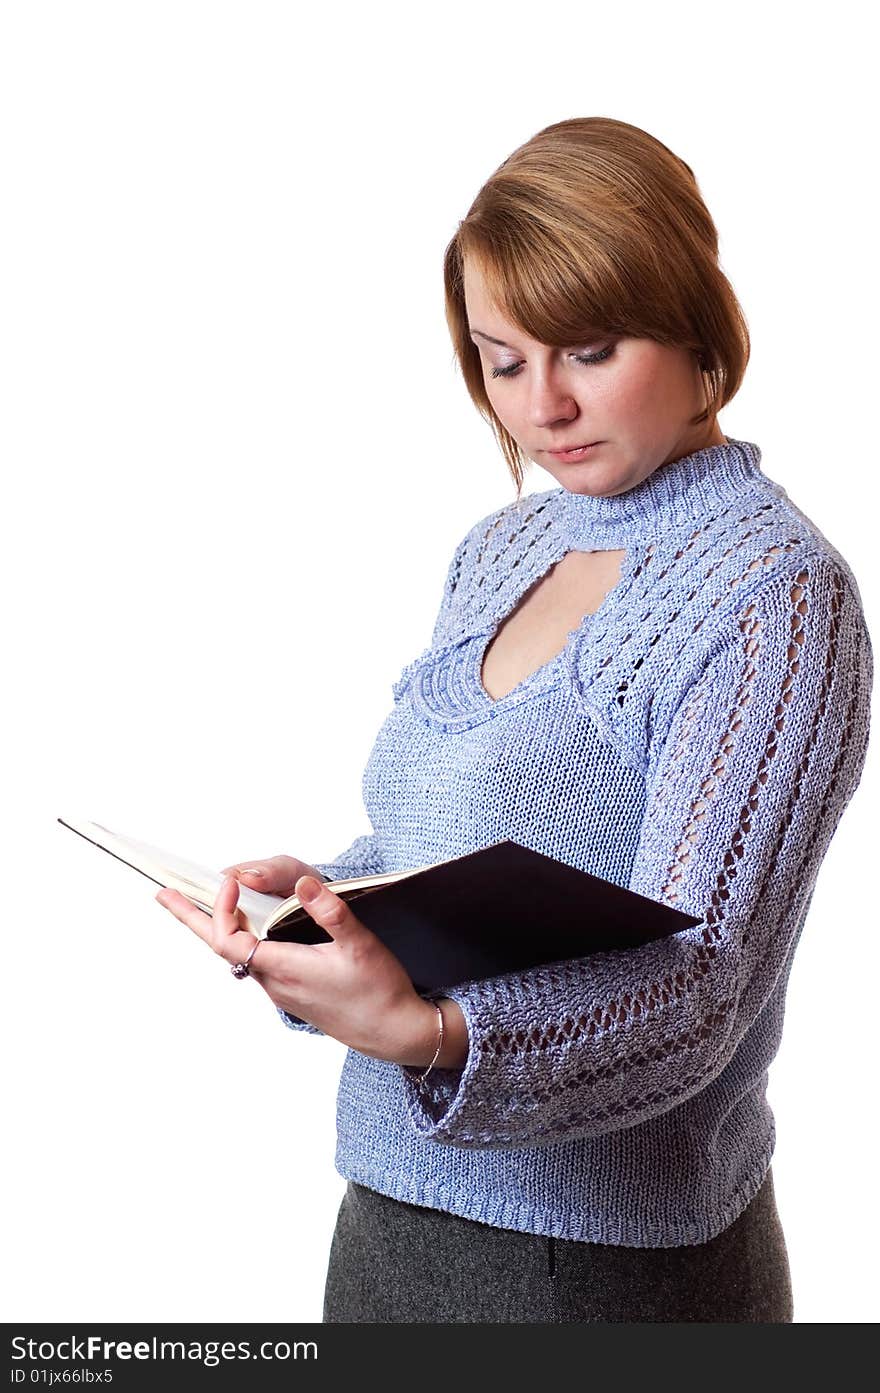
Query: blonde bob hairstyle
x=595, y=227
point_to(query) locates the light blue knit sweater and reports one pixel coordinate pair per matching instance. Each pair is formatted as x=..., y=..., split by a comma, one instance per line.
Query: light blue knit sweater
x=697, y=740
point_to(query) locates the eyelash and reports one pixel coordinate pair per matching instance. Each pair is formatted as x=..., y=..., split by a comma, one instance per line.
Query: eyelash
x=587, y=359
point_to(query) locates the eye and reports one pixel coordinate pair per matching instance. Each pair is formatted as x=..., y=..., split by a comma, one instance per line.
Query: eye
x=586, y=358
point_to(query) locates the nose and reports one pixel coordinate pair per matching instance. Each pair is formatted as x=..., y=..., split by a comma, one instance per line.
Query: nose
x=550, y=411
x=551, y=403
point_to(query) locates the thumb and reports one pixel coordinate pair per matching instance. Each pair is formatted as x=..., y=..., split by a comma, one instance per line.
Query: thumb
x=326, y=908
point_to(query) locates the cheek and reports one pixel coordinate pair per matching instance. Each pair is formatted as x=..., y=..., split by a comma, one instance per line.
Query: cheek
x=641, y=388
x=503, y=402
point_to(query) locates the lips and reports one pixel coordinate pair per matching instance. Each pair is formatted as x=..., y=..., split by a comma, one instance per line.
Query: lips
x=570, y=452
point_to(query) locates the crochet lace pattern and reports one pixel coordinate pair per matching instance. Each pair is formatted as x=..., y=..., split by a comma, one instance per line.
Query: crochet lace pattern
x=697, y=739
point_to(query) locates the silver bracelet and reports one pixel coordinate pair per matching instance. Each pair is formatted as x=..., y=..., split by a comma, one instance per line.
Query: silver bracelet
x=421, y=1078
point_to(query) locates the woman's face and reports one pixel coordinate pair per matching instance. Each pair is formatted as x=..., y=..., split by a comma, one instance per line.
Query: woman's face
x=635, y=398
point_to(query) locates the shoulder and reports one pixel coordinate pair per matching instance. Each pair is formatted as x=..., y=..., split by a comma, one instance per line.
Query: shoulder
x=515, y=522
x=752, y=583
x=495, y=550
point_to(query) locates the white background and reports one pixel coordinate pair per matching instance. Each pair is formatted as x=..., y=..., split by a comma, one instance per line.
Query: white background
x=237, y=458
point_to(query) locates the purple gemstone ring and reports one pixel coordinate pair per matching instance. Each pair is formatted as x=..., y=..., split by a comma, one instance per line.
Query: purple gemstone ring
x=240, y=970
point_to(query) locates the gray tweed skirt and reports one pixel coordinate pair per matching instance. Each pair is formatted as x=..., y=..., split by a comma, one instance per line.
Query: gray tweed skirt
x=391, y=1261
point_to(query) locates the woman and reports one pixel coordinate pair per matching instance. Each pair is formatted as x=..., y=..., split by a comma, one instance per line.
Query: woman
x=657, y=670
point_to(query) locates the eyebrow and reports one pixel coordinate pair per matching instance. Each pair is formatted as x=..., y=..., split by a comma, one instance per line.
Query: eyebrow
x=500, y=342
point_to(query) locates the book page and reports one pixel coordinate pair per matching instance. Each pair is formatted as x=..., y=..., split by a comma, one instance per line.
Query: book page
x=199, y=883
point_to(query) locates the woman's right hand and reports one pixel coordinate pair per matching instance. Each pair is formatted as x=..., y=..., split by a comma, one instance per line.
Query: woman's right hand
x=277, y=875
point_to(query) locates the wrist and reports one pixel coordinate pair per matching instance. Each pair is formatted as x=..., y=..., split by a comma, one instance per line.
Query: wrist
x=426, y=1036
x=454, y=1049
x=422, y=1034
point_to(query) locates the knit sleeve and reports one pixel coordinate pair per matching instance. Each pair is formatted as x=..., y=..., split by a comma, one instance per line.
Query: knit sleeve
x=744, y=792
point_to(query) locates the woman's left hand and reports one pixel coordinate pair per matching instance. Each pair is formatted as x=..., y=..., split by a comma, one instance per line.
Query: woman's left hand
x=353, y=988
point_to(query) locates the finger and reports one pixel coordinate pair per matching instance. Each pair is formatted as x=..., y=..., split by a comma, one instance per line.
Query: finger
x=188, y=913
x=230, y=931
x=217, y=929
x=326, y=908
x=233, y=948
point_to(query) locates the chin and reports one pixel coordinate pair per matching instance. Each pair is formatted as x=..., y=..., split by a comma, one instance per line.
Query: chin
x=583, y=479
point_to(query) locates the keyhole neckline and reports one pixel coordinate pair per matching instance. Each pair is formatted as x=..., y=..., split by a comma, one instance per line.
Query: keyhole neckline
x=544, y=675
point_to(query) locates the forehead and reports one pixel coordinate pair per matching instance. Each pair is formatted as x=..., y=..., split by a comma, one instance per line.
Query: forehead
x=482, y=312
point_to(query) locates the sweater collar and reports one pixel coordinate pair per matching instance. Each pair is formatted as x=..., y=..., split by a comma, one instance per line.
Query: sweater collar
x=673, y=496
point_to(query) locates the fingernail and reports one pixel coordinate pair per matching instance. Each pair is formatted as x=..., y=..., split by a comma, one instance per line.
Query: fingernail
x=309, y=889
x=251, y=870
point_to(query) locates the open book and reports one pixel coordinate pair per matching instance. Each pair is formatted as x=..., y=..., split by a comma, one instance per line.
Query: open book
x=500, y=909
